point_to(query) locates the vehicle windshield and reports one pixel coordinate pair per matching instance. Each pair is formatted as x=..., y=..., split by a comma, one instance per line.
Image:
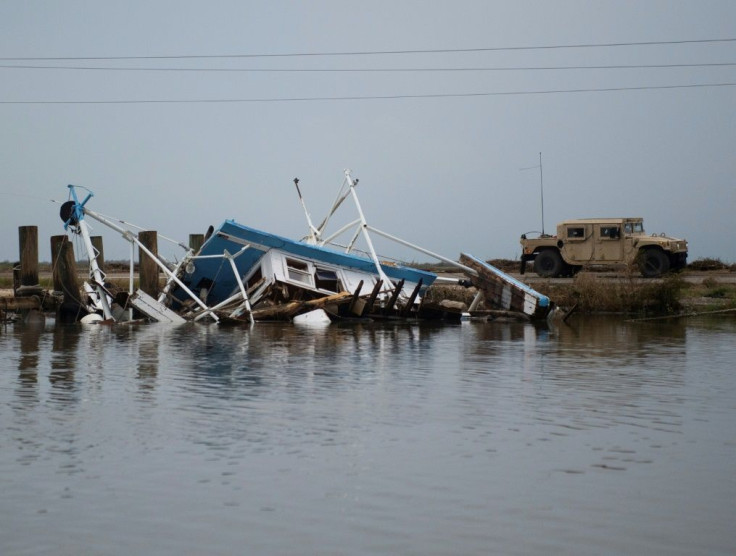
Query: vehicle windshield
x=634, y=227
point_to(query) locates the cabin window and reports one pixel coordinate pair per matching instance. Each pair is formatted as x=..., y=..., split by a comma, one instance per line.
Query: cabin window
x=575, y=233
x=325, y=279
x=610, y=232
x=298, y=271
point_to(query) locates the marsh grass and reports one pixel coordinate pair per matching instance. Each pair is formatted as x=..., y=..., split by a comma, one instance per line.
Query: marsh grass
x=591, y=293
x=709, y=264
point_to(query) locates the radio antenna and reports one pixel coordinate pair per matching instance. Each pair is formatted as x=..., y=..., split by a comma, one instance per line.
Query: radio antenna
x=541, y=186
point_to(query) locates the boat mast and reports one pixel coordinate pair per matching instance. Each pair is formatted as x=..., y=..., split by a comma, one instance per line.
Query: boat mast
x=313, y=232
x=76, y=219
x=364, y=228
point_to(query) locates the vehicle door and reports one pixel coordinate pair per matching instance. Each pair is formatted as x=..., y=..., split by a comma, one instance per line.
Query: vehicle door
x=577, y=243
x=608, y=242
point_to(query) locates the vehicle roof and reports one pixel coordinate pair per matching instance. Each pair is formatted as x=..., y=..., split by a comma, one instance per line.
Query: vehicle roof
x=603, y=220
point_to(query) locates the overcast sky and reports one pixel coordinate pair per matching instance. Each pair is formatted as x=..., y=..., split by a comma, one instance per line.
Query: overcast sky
x=441, y=166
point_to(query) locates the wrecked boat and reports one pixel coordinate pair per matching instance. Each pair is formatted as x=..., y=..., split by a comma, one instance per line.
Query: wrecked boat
x=241, y=274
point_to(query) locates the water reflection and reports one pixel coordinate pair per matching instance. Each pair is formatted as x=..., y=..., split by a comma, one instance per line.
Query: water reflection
x=64, y=360
x=468, y=433
x=28, y=337
x=597, y=373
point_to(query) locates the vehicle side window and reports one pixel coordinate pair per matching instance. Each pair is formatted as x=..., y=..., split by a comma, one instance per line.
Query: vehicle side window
x=610, y=232
x=575, y=233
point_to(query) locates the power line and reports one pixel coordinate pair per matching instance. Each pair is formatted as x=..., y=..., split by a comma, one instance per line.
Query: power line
x=370, y=97
x=377, y=70
x=377, y=52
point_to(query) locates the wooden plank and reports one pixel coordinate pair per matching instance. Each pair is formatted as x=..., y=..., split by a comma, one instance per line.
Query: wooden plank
x=356, y=297
x=505, y=292
x=153, y=309
x=19, y=303
x=372, y=299
x=394, y=296
x=407, y=307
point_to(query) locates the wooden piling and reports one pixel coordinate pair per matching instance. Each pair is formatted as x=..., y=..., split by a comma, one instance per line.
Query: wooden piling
x=195, y=242
x=28, y=244
x=97, y=244
x=64, y=269
x=57, y=245
x=149, y=272
x=66, y=280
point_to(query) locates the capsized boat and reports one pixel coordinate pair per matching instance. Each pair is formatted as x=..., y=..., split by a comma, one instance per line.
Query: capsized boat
x=280, y=277
x=244, y=274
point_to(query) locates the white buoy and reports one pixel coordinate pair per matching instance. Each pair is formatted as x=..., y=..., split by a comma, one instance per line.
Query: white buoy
x=313, y=318
x=92, y=318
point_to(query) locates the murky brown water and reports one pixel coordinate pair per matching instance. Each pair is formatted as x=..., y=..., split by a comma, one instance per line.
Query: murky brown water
x=603, y=437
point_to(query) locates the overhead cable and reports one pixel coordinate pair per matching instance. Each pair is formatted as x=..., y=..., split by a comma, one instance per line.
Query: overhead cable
x=374, y=52
x=376, y=70
x=371, y=97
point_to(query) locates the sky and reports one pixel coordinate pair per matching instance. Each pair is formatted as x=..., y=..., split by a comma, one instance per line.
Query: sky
x=447, y=159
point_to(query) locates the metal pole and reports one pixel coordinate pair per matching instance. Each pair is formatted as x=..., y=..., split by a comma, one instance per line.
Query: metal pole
x=95, y=272
x=243, y=291
x=364, y=228
x=466, y=269
x=541, y=189
x=133, y=239
x=313, y=232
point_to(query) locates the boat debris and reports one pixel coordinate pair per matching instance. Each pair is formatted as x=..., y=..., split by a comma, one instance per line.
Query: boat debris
x=243, y=275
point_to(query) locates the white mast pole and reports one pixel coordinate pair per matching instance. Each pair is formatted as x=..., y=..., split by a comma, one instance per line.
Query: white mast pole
x=364, y=228
x=313, y=232
x=96, y=274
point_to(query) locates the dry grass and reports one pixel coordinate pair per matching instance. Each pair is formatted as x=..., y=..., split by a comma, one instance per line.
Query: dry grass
x=593, y=294
x=708, y=264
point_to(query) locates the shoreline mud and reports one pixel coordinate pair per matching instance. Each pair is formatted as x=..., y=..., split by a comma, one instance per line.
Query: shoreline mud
x=588, y=292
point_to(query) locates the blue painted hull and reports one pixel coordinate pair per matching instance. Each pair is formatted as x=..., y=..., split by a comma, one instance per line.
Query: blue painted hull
x=216, y=274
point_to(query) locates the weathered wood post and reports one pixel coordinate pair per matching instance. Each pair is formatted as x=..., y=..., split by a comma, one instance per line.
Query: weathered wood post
x=195, y=242
x=57, y=245
x=148, y=270
x=65, y=270
x=28, y=244
x=66, y=279
x=97, y=244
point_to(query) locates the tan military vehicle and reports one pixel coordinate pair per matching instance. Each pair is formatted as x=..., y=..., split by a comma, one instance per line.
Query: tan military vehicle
x=607, y=241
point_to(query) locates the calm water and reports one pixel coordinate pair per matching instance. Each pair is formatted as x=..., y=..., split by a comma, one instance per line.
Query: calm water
x=604, y=437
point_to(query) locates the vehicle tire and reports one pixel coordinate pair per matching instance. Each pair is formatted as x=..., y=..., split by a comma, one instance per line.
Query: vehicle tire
x=653, y=263
x=548, y=263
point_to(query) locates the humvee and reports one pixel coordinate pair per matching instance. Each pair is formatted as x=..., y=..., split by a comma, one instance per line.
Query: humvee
x=608, y=241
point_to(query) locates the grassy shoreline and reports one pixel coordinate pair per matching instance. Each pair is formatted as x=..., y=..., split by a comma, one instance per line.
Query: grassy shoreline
x=588, y=292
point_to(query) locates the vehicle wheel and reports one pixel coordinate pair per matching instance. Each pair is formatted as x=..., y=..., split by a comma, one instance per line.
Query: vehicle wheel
x=548, y=263
x=653, y=263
